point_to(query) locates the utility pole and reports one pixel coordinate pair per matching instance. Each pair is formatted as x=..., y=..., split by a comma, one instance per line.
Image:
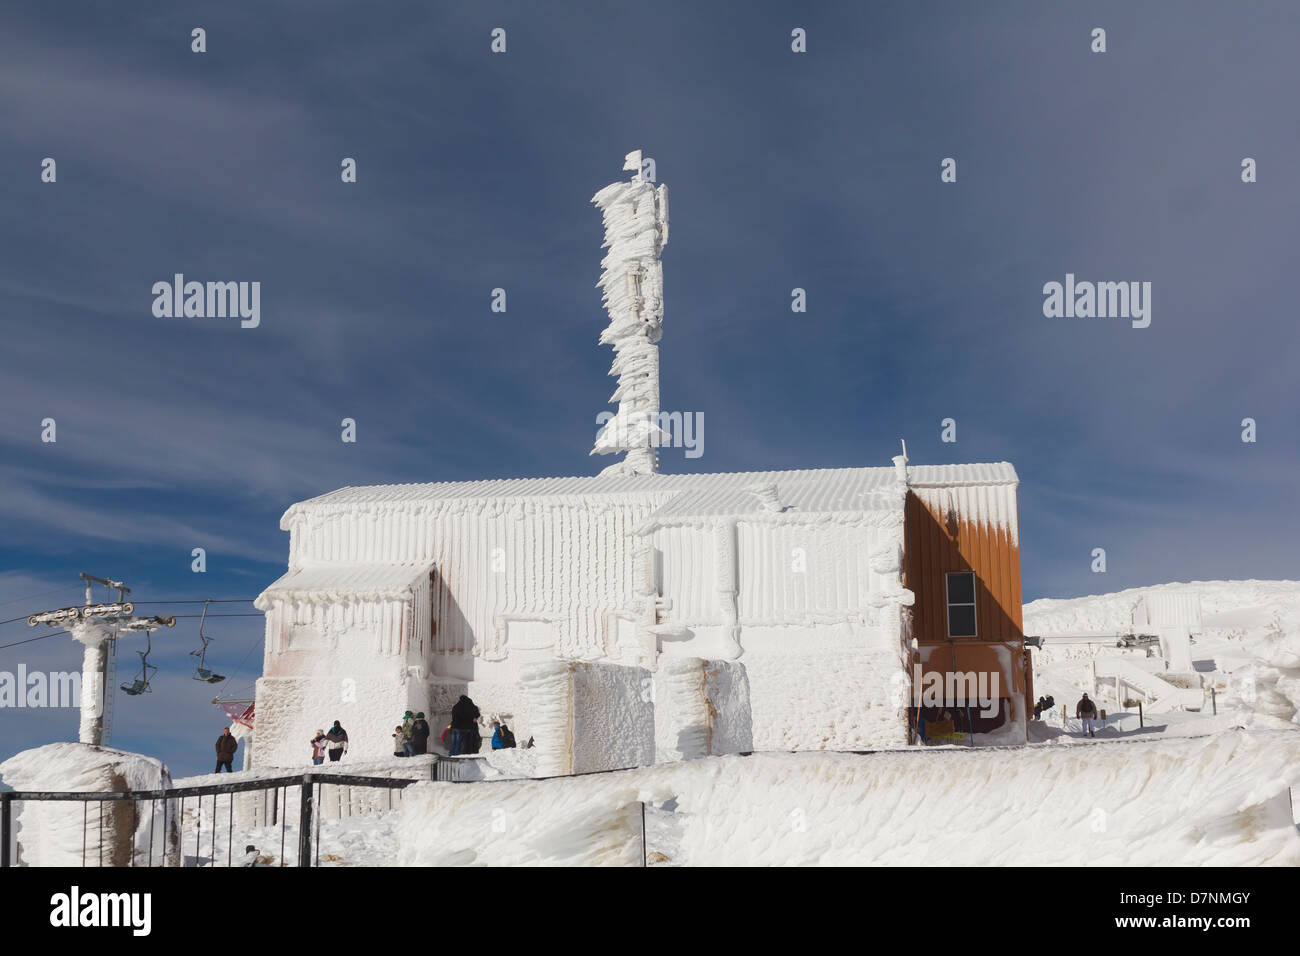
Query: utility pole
x=96, y=626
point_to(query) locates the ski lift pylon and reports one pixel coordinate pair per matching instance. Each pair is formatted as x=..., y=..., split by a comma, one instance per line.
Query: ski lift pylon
x=202, y=672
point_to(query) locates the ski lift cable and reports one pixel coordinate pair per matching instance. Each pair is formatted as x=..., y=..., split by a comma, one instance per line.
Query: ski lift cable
x=202, y=601
x=30, y=597
x=29, y=640
x=251, y=647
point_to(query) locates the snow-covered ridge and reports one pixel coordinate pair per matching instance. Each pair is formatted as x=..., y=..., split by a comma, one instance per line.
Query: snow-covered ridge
x=1245, y=645
x=1224, y=604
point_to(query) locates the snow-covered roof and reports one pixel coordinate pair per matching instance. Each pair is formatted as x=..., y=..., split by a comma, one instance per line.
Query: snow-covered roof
x=822, y=489
x=380, y=582
x=785, y=493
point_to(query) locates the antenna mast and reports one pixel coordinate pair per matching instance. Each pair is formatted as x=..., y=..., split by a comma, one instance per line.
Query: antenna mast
x=632, y=281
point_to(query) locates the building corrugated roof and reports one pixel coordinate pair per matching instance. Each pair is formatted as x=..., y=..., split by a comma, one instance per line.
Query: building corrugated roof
x=975, y=473
x=857, y=489
x=817, y=489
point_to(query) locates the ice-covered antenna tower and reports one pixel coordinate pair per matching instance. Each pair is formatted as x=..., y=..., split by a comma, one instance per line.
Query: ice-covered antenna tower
x=632, y=283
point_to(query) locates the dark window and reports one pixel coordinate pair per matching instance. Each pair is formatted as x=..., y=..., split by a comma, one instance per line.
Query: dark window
x=961, y=604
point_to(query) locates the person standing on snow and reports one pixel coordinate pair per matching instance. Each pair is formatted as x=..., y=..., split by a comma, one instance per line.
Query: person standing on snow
x=318, y=745
x=227, y=744
x=337, y=739
x=419, y=735
x=407, y=721
x=1086, y=710
x=464, y=726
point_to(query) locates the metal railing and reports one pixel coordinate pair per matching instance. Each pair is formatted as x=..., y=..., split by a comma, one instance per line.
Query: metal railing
x=176, y=836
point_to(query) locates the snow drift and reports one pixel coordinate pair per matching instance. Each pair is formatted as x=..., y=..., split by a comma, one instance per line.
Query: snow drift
x=1221, y=800
x=51, y=833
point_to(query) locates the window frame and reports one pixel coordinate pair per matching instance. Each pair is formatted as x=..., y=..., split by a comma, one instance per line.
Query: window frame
x=949, y=604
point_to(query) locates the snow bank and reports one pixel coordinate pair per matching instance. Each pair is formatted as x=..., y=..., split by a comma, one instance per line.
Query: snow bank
x=51, y=833
x=1214, y=801
x=546, y=822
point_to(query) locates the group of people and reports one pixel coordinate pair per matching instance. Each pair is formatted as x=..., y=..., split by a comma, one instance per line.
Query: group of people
x=410, y=737
x=461, y=736
x=1085, y=710
x=335, y=743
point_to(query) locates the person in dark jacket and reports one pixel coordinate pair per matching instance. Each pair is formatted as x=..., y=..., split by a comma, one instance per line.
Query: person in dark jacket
x=338, y=741
x=227, y=744
x=464, y=727
x=419, y=734
x=1086, y=711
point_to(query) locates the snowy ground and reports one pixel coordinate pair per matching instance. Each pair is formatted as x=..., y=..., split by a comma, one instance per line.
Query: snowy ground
x=1247, y=649
x=1188, y=788
x=1223, y=799
x=1185, y=789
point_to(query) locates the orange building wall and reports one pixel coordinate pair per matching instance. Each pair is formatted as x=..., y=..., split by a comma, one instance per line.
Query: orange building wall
x=936, y=544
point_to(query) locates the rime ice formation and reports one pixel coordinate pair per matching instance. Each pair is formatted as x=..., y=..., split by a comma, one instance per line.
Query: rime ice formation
x=403, y=597
x=556, y=603
x=94, y=660
x=52, y=834
x=632, y=284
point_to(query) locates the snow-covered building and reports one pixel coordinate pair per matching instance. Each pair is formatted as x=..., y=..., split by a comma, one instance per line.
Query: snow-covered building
x=635, y=616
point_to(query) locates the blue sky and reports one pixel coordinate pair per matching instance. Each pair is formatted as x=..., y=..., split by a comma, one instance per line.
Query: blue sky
x=818, y=171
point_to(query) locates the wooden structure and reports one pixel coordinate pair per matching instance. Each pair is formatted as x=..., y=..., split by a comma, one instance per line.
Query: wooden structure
x=962, y=563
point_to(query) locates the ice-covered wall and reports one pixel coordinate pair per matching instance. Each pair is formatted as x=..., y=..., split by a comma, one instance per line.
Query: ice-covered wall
x=588, y=716
x=291, y=709
x=701, y=708
x=55, y=834
x=793, y=575
x=558, y=565
x=813, y=603
x=613, y=717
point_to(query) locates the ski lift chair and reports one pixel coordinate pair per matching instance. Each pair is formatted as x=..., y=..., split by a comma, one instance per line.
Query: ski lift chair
x=141, y=684
x=202, y=672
